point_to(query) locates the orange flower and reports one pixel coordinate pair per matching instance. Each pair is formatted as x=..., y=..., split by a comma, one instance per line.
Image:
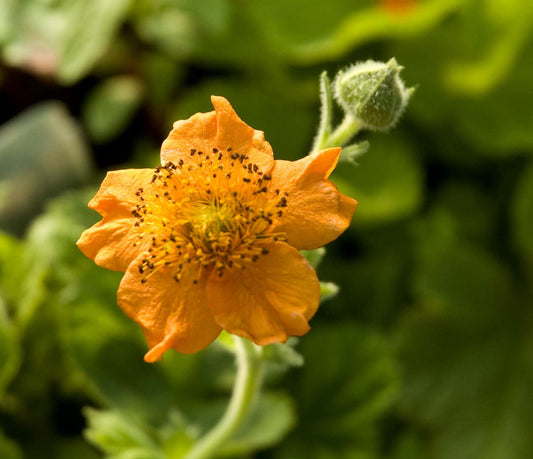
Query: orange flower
x=210, y=239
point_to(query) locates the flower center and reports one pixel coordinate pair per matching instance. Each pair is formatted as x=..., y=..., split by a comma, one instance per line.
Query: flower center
x=210, y=213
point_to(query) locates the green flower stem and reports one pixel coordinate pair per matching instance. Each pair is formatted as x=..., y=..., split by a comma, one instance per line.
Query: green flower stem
x=349, y=127
x=250, y=365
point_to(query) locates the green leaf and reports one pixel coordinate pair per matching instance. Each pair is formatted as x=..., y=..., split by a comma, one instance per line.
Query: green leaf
x=12, y=269
x=63, y=38
x=215, y=32
x=268, y=423
x=306, y=32
x=111, y=106
x=120, y=437
x=111, y=361
x=33, y=171
x=10, y=352
x=479, y=86
x=314, y=257
x=7, y=19
x=161, y=76
x=50, y=250
x=468, y=371
x=9, y=449
x=347, y=383
x=496, y=31
x=67, y=448
x=351, y=153
x=409, y=446
x=388, y=184
x=470, y=208
x=284, y=353
x=460, y=280
x=328, y=290
x=522, y=214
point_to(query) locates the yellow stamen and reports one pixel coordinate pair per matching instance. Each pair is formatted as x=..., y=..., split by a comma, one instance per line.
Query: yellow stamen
x=212, y=213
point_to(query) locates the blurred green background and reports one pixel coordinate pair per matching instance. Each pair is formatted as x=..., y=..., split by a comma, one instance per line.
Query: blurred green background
x=427, y=350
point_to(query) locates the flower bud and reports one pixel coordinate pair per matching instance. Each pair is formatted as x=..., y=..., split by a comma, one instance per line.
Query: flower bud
x=373, y=93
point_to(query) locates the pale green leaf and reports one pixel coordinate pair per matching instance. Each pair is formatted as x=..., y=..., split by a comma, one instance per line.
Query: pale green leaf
x=314, y=257
x=328, y=290
x=111, y=106
x=267, y=424
x=63, y=38
x=42, y=153
x=120, y=437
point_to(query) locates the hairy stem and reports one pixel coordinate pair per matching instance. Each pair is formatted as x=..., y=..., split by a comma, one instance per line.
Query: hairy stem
x=247, y=383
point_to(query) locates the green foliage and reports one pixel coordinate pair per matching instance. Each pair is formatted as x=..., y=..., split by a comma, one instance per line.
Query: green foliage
x=522, y=215
x=467, y=359
x=32, y=171
x=119, y=437
x=9, y=349
x=62, y=38
x=8, y=449
x=110, y=107
x=388, y=182
x=340, y=395
x=266, y=426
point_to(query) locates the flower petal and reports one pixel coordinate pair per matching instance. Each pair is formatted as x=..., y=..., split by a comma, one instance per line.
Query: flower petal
x=171, y=314
x=221, y=129
x=316, y=212
x=270, y=299
x=234, y=133
x=198, y=132
x=116, y=196
x=112, y=242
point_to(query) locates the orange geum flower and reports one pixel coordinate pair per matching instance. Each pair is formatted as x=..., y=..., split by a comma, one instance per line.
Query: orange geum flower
x=209, y=240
